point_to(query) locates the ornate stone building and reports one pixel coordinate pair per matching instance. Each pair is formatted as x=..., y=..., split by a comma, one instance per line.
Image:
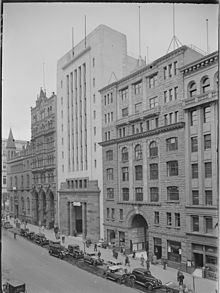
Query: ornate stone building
x=144, y=159
x=43, y=140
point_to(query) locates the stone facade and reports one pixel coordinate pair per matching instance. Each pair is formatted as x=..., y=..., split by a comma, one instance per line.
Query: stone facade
x=144, y=159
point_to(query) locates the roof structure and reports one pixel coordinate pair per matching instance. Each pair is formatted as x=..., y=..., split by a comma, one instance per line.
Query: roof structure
x=10, y=141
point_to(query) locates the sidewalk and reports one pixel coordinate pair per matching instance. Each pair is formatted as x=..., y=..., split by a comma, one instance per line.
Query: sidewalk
x=201, y=285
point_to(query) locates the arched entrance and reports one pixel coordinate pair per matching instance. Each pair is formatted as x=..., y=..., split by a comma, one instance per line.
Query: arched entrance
x=44, y=207
x=36, y=208
x=138, y=233
x=51, y=212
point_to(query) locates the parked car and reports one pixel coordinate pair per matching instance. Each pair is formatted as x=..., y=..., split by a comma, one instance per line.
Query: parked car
x=58, y=250
x=113, y=262
x=74, y=251
x=14, y=286
x=41, y=239
x=172, y=287
x=93, y=259
x=144, y=277
x=102, y=243
x=24, y=232
x=30, y=235
x=118, y=274
x=7, y=225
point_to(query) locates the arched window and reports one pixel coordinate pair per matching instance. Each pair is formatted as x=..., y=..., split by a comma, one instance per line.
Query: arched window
x=192, y=90
x=205, y=84
x=138, y=152
x=124, y=154
x=28, y=205
x=153, y=149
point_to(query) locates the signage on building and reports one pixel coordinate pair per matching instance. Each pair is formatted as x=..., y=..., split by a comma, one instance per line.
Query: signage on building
x=76, y=204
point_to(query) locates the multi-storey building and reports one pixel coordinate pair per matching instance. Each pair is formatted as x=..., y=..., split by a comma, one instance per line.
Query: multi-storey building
x=43, y=140
x=201, y=170
x=144, y=159
x=6, y=152
x=97, y=60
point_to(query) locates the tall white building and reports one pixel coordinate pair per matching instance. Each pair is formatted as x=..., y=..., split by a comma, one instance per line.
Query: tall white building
x=98, y=60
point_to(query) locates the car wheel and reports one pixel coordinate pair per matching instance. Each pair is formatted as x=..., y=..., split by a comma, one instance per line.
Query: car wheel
x=150, y=288
x=131, y=282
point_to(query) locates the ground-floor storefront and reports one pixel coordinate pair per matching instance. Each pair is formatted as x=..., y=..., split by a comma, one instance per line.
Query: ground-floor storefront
x=79, y=207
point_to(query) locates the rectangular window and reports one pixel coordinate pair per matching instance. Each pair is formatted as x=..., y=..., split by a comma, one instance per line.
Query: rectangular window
x=94, y=114
x=138, y=107
x=110, y=193
x=207, y=114
x=194, y=144
x=93, y=62
x=137, y=88
x=195, y=223
x=124, y=112
x=166, y=119
x=171, y=118
x=105, y=118
x=165, y=72
x=176, y=93
x=111, y=116
x=138, y=173
x=195, y=197
x=111, y=99
x=109, y=155
x=172, y=144
x=172, y=168
x=193, y=118
x=153, y=81
x=121, y=214
x=170, y=70
x=125, y=194
x=113, y=213
x=4, y=179
x=208, y=225
x=109, y=173
x=208, y=170
x=139, y=194
x=170, y=95
x=177, y=219
x=94, y=130
x=94, y=99
x=153, y=102
x=125, y=174
x=169, y=219
x=165, y=97
x=172, y=193
x=154, y=194
x=207, y=141
x=93, y=81
x=195, y=172
x=153, y=171
x=208, y=197
x=156, y=218
x=105, y=100
x=124, y=93
x=175, y=67
x=108, y=213
x=176, y=116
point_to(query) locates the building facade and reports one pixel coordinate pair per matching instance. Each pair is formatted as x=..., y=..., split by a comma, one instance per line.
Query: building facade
x=97, y=60
x=144, y=159
x=201, y=169
x=43, y=140
x=6, y=152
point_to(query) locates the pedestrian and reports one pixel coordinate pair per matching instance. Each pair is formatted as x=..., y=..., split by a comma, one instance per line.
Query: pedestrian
x=95, y=246
x=15, y=234
x=42, y=228
x=123, y=250
x=148, y=264
x=127, y=262
x=99, y=254
x=142, y=260
x=178, y=275
x=181, y=277
x=63, y=239
x=134, y=254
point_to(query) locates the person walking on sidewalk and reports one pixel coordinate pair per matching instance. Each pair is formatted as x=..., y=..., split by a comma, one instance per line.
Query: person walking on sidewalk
x=178, y=274
x=99, y=254
x=148, y=264
x=127, y=261
x=142, y=260
x=134, y=254
x=95, y=246
x=181, y=277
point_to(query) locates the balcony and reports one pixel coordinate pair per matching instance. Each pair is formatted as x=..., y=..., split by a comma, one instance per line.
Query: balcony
x=200, y=99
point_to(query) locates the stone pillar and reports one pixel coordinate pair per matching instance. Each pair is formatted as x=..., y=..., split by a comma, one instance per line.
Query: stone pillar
x=84, y=219
x=48, y=210
x=145, y=180
x=70, y=211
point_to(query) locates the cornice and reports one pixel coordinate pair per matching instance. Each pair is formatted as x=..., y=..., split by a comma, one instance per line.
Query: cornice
x=143, y=134
x=76, y=57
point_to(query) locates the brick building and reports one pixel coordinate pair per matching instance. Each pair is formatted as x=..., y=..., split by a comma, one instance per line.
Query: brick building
x=201, y=170
x=144, y=158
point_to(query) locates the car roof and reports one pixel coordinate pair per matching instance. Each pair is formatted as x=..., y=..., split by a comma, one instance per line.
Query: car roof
x=143, y=270
x=115, y=268
x=114, y=261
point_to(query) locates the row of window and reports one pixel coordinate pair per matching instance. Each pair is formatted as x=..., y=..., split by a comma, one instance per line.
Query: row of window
x=108, y=99
x=206, y=116
x=171, y=145
x=172, y=194
x=171, y=118
x=205, y=86
x=208, y=224
x=42, y=114
x=22, y=181
x=170, y=95
x=206, y=142
x=108, y=117
x=169, y=221
x=207, y=168
x=208, y=197
x=43, y=178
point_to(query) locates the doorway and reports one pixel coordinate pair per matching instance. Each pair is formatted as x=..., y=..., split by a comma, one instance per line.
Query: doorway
x=198, y=260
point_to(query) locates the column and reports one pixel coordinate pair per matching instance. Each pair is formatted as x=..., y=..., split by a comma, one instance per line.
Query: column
x=130, y=103
x=70, y=209
x=145, y=181
x=200, y=156
x=131, y=176
x=188, y=171
x=144, y=98
x=84, y=219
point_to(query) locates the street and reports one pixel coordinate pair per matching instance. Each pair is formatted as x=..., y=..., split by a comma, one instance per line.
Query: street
x=23, y=260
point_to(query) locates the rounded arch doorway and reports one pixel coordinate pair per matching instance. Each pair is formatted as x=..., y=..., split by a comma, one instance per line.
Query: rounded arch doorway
x=138, y=233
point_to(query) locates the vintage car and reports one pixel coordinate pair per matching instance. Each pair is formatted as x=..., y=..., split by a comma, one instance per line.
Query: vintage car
x=41, y=239
x=172, y=287
x=144, y=277
x=74, y=251
x=24, y=232
x=14, y=286
x=7, y=225
x=57, y=250
x=119, y=274
x=30, y=235
x=102, y=243
x=113, y=262
x=92, y=259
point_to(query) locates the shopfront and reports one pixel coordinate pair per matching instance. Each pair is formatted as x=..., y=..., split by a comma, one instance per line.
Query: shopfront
x=174, y=251
x=204, y=255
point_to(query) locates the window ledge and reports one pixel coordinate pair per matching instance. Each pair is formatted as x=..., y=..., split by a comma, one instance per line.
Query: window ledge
x=177, y=228
x=169, y=227
x=173, y=201
x=110, y=199
x=157, y=225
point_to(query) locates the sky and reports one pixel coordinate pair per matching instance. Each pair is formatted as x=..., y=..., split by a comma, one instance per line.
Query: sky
x=41, y=33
